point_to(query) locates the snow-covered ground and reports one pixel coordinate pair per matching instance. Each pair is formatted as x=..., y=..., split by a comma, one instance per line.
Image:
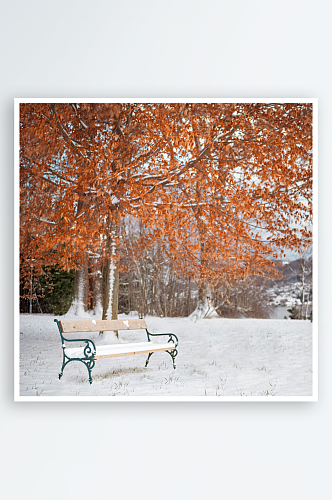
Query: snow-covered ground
x=218, y=358
x=280, y=312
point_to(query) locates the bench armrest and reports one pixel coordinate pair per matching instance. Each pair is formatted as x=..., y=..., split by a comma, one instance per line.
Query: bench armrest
x=89, y=349
x=171, y=337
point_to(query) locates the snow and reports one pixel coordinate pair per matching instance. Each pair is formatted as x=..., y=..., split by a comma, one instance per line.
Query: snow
x=204, y=309
x=42, y=219
x=218, y=359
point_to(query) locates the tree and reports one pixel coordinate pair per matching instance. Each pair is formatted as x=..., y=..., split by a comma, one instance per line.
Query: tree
x=150, y=282
x=82, y=156
x=218, y=186
x=248, y=182
x=302, y=269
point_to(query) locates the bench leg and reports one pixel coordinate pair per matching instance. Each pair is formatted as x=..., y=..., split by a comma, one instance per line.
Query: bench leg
x=173, y=354
x=89, y=370
x=147, y=361
x=63, y=365
x=62, y=368
x=89, y=365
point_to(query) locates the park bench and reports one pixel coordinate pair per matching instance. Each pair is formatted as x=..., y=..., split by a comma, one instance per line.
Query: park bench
x=88, y=353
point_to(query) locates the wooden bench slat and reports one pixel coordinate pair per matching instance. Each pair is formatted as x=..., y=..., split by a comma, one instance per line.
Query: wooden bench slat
x=72, y=326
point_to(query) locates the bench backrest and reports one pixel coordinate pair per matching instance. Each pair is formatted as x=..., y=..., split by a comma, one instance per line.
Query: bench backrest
x=95, y=325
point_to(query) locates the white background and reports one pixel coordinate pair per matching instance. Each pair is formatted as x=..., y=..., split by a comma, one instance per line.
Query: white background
x=165, y=49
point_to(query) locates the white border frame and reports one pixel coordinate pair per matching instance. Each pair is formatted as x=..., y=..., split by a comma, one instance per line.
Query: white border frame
x=19, y=398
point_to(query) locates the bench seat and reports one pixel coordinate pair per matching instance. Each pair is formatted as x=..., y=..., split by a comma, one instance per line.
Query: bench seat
x=109, y=351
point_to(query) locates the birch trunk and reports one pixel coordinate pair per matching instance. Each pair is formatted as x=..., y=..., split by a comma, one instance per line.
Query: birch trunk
x=111, y=276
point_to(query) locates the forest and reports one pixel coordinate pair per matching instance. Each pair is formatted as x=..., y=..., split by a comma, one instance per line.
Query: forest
x=167, y=209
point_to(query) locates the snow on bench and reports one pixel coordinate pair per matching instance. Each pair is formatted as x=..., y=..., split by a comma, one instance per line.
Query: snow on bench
x=89, y=353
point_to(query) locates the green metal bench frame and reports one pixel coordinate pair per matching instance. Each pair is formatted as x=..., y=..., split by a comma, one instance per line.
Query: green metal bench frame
x=90, y=349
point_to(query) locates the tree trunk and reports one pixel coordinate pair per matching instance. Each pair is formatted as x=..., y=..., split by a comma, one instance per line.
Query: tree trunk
x=97, y=294
x=111, y=275
x=79, y=304
x=205, y=307
x=188, y=297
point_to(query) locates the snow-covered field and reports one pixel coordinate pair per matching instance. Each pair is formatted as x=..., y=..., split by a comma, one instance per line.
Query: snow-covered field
x=218, y=358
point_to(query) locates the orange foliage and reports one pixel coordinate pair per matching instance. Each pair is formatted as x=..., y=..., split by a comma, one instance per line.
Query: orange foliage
x=220, y=186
